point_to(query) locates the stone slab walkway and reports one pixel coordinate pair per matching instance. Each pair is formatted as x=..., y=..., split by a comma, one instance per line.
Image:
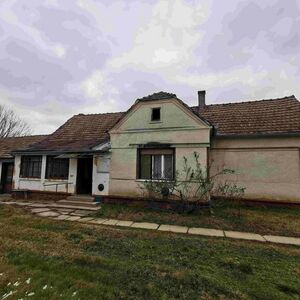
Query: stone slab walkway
x=86, y=217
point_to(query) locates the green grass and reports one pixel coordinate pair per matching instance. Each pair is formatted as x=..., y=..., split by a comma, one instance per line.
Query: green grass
x=77, y=261
x=276, y=220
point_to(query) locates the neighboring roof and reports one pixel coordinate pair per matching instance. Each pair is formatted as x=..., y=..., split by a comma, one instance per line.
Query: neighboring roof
x=79, y=133
x=9, y=144
x=271, y=116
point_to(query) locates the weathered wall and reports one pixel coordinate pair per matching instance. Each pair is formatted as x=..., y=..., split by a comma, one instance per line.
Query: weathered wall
x=101, y=166
x=269, y=168
x=178, y=127
x=43, y=184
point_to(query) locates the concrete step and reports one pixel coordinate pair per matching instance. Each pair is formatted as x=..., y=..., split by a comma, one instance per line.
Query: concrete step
x=80, y=198
x=77, y=203
x=95, y=208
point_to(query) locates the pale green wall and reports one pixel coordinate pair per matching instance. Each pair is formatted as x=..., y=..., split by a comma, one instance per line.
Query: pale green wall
x=178, y=127
x=269, y=168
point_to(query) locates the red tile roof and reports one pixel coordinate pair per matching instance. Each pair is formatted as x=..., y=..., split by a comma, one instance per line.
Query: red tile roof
x=79, y=133
x=272, y=116
x=9, y=144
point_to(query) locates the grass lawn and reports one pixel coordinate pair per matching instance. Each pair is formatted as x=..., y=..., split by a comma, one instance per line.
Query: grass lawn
x=276, y=220
x=68, y=260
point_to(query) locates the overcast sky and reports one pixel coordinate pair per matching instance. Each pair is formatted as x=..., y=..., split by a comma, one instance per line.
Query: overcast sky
x=63, y=57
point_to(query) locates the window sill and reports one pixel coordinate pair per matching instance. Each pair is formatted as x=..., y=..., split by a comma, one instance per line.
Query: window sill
x=155, y=122
x=154, y=180
x=56, y=179
x=29, y=178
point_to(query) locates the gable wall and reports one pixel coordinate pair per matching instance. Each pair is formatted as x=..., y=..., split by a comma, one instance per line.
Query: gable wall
x=182, y=131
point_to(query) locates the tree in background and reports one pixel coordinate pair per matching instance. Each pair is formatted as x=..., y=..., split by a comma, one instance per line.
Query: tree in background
x=11, y=124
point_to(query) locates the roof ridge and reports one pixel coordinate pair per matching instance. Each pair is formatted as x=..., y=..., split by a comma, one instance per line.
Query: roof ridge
x=251, y=101
x=98, y=114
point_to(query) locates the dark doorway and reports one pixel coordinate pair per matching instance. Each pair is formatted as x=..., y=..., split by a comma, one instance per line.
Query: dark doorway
x=84, y=175
x=7, y=177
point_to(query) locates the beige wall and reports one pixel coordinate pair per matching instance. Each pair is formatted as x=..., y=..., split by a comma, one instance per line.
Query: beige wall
x=269, y=168
x=178, y=127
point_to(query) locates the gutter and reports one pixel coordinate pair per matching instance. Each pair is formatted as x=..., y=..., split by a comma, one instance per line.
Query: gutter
x=55, y=152
x=257, y=135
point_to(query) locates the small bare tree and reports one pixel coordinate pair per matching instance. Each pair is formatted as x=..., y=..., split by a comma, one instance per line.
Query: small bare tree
x=11, y=124
x=193, y=185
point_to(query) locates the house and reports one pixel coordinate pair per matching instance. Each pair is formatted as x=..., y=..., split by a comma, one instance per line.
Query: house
x=7, y=145
x=110, y=154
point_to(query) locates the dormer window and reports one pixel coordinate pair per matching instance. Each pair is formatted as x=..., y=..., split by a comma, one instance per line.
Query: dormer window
x=155, y=116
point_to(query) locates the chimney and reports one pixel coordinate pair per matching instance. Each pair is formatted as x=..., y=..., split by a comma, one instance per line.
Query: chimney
x=201, y=99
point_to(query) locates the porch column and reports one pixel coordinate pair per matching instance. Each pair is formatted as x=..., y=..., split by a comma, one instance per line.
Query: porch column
x=17, y=168
x=43, y=171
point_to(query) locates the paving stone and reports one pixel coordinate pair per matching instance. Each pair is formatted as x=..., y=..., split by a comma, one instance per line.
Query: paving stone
x=173, y=228
x=39, y=210
x=73, y=218
x=48, y=214
x=78, y=213
x=282, y=240
x=65, y=210
x=244, y=236
x=38, y=205
x=62, y=217
x=206, y=231
x=97, y=221
x=23, y=203
x=83, y=212
x=145, y=225
x=85, y=219
x=110, y=222
x=10, y=202
x=124, y=223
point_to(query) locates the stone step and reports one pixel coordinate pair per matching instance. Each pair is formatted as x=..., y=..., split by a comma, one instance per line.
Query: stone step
x=77, y=203
x=80, y=198
x=95, y=208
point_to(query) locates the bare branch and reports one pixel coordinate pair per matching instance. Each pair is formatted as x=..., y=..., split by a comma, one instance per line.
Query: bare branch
x=11, y=124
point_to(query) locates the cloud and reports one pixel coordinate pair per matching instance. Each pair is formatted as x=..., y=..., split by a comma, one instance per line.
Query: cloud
x=168, y=39
x=59, y=58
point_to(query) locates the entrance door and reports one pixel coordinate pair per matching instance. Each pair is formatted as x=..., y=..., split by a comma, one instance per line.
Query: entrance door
x=84, y=175
x=7, y=177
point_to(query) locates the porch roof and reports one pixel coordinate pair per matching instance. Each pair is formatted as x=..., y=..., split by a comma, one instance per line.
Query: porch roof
x=9, y=144
x=81, y=133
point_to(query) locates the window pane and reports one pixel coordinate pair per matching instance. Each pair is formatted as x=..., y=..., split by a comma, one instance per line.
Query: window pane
x=31, y=166
x=168, y=171
x=156, y=167
x=57, y=168
x=145, y=166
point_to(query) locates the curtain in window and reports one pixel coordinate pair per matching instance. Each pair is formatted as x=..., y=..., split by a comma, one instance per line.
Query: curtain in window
x=157, y=166
x=57, y=168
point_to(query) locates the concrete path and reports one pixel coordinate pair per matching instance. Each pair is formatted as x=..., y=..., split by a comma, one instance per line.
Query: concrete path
x=85, y=217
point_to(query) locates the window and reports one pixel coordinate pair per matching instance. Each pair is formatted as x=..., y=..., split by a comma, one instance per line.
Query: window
x=155, y=116
x=57, y=168
x=31, y=166
x=156, y=164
